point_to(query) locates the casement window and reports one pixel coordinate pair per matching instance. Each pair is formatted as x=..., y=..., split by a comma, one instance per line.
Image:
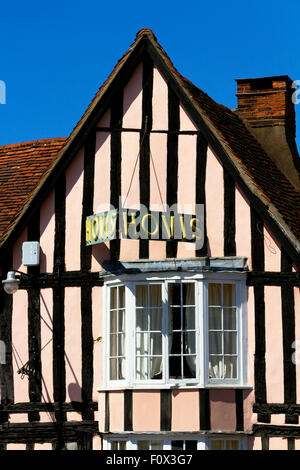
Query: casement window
x=174, y=330
x=175, y=443
x=223, y=331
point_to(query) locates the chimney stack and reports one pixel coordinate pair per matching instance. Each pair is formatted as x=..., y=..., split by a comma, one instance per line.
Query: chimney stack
x=266, y=106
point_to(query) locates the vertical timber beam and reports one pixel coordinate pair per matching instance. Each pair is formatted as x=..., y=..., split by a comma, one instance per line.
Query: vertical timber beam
x=172, y=161
x=87, y=345
x=34, y=326
x=145, y=145
x=59, y=369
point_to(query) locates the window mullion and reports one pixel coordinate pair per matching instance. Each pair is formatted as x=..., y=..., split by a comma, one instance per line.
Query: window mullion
x=203, y=331
x=165, y=314
x=130, y=335
x=105, y=334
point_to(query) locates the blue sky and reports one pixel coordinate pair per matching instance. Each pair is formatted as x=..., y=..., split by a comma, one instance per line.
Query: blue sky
x=55, y=55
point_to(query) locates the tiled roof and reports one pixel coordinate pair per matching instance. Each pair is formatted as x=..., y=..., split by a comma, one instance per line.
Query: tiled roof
x=22, y=167
x=251, y=160
x=255, y=166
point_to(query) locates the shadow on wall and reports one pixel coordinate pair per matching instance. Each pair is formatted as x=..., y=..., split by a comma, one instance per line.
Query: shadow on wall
x=74, y=391
x=250, y=443
x=101, y=252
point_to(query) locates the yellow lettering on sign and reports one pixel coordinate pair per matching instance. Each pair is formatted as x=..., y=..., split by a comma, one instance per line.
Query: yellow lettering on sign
x=193, y=224
x=131, y=223
x=95, y=231
x=182, y=226
x=169, y=229
x=112, y=222
x=150, y=216
x=88, y=235
x=102, y=219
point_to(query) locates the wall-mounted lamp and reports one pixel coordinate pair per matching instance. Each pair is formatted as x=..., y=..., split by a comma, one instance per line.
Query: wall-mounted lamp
x=11, y=283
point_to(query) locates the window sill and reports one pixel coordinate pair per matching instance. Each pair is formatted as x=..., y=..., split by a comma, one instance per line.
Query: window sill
x=171, y=387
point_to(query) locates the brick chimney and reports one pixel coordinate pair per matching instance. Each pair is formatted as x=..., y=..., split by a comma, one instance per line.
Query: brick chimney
x=266, y=106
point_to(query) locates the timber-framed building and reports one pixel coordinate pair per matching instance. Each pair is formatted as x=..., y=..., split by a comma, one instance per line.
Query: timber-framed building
x=184, y=339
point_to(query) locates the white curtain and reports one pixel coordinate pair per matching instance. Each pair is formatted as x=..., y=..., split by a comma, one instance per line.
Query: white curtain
x=148, y=332
x=220, y=342
x=117, y=339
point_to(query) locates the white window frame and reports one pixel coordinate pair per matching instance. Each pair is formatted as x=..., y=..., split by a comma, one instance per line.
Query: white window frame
x=203, y=441
x=240, y=322
x=201, y=298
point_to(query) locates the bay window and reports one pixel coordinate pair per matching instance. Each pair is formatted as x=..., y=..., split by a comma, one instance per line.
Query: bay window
x=195, y=442
x=180, y=330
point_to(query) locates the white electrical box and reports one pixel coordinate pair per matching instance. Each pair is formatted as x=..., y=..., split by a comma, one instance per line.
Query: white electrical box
x=30, y=253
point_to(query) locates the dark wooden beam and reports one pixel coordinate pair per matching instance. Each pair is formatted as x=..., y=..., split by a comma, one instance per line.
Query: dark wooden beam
x=229, y=214
x=201, y=160
x=115, y=165
x=25, y=407
x=273, y=430
x=288, y=338
x=6, y=370
x=277, y=408
x=165, y=410
x=144, y=173
x=269, y=278
x=172, y=162
x=204, y=406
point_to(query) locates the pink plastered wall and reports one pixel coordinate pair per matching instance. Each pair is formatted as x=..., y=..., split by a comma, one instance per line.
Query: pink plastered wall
x=20, y=354
x=101, y=411
x=16, y=447
x=297, y=444
x=296, y=356
x=130, y=187
x=185, y=410
x=100, y=252
x=278, y=420
x=274, y=348
x=74, y=191
x=20, y=345
x=222, y=410
x=242, y=226
x=254, y=443
x=73, y=343
x=130, y=144
x=187, y=155
x=46, y=309
x=96, y=443
x=132, y=99
x=250, y=418
x=250, y=335
x=214, y=190
x=47, y=228
x=272, y=252
x=160, y=102
x=44, y=446
x=146, y=410
x=18, y=417
x=278, y=443
x=158, y=157
x=97, y=303
x=158, y=186
x=17, y=252
x=116, y=411
x=248, y=395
